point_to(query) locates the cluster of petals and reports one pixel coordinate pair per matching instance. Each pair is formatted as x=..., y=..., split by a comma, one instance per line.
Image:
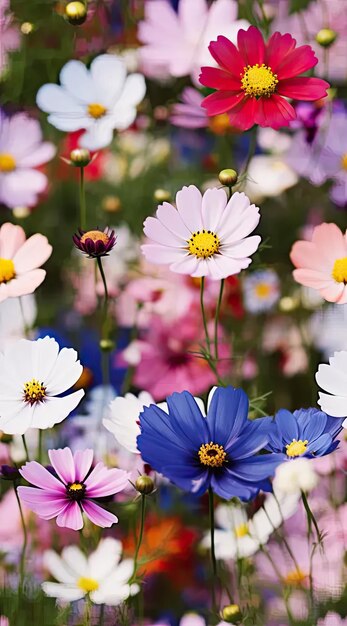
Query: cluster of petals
x=322, y=262
x=220, y=226
x=332, y=378
x=254, y=79
x=20, y=261
x=72, y=489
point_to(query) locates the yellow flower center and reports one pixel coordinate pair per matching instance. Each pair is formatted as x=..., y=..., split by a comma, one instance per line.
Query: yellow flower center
x=212, y=454
x=219, y=123
x=259, y=81
x=95, y=235
x=96, y=110
x=340, y=270
x=7, y=162
x=296, y=448
x=262, y=290
x=295, y=578
x=241, y=531
x=7, y=271
x=34, y=391
x=344, y=161
x=203, y=244
x=76, y=487
x=87, y=584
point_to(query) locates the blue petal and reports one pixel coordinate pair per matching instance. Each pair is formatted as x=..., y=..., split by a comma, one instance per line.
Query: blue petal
x=157, y=450
x=312, y=423
x=256, y=468
x=191, y=479
x=187, y=420
x=287, y=425
x=275, y=442
x=225, y=485
x=156, y=422
x=334, y=425
x=251, y=441
x=227, y=414
x=320, y=446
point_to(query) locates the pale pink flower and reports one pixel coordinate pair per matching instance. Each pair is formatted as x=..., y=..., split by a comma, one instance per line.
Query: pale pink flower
x=189, y=113
x=9, y=34
x=332, y=619
x=21, y=152
x=20, y=261
x=205, y=236
x=322, y=262
x=176, y=43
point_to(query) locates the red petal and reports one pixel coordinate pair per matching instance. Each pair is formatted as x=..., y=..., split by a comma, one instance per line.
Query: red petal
x=227, y=55
x=219, y=79
x=273, y=113
x=303, y=88
x=221, y=101
x=251, y=46
x=243, y=115
x=296, y=62
x=278, y=47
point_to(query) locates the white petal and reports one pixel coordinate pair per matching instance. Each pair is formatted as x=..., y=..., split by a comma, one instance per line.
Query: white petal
x=65, y=373
x=54, y=410
x=105, y=558
x=214, y=202
x=54, y=99
x=78, y=83
x=336, y=406
x=63, y=591
x=58, y=567
x=108, y=73
x=75, y=560
x=332, y=379
x=97, y=136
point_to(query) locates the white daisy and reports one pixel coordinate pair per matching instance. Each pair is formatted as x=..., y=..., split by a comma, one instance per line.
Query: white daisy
x=333, y=379
x=99, y=99
x=298, y=475
x=101, y=575
x=33, y=374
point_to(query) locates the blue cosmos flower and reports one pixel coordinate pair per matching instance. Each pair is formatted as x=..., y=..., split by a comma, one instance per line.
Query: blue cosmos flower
x=218, y=451
x=306, y=432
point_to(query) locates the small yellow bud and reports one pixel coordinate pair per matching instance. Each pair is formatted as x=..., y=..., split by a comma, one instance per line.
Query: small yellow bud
x=144, y=485
x=326, y=37
x=76, y=12
x=111, y=204
x=231, y=613
x=21, y=212
x=162, y=195
x=27, y=28
x=228, y=177
x=80, y=157
x=106, y=345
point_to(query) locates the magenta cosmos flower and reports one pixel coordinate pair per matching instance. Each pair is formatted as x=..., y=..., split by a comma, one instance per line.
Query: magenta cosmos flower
x=20, y=261
x=71, y=489
x=254, y=80
x=322, y=262
x=205, y=236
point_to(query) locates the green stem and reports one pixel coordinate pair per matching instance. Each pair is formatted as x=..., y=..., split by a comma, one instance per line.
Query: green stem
x=310, y=518
x=103, y=278
x=87, y=617
x=25, y=448
x=140, y=537
x=25, y=542
x=203, y=313
x=213, y=554
x=83, y=207
x=216, y=319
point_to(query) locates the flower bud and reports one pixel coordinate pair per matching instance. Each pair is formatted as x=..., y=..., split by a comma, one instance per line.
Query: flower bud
x=76, y=12
x=228, y=177
x=326, y=37
x=231, y=613
x=106, y=345
x=144, y=485
x=80, y=157
x=21, y=212
x=111, y=204
x=162, y=195
x=7, y=472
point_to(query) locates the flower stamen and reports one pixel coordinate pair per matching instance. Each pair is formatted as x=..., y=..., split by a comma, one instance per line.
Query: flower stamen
x=76, y=491
x=296, y=448
x=241, y=531
x=339, y=272
x=259, y=81
x=87, y=584
x=212, y=455
x=7, y=162
x=95, y=235
x=34, y=391
x=203, y=244
x=296, y=578
x=96, y=110
x=7, y=271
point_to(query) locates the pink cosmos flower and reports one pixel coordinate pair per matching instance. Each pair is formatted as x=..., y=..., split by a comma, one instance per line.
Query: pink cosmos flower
x=254, y=80
x=322, y=262
x=74, y=489
x=176, y=43
x=9, y=34
x=21, y=151
x=20, y=261
x=205, y=236
x=189, y=113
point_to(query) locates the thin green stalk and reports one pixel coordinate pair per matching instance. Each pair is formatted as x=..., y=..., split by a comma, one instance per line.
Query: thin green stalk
x=213, y=554
x=203, y=313
x=216, y=319
x=140, y=537
x=103, y=278
x=83, y=206
x=25, y=448
x=310, y=518
x=25, y=542
x=282, y=539
x=87, y=617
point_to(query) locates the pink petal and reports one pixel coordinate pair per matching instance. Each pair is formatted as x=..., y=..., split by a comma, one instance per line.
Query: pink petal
x=25, y=283
x=329, y=238
x=242, y=116
x=155, y=230
x=37, y=475
x=251, y=46
x=99, y=516
x=22, y=187
x=278, y=47
x=227, y=56
x=70, y=517
x=188, y=201
x=11, y=239
x=43, y=503
x=158, y=254
x=105, y=482
x=303, y=88
x=313, y=278
x=336, y=292
x=34, y=252
x=63, y=463
x=168, y=215
x=273, y=112
x=219, y=79
x=83, y=460
x=223, y=101
x=40, y=154
x=296, y=62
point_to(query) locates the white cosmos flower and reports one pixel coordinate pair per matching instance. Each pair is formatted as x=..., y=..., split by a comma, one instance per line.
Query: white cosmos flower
x=298, y=475
x=101, y=575
x=32, y=376
x=268, y=176
x=333, y=379
x=241, y=537
x=99, y=99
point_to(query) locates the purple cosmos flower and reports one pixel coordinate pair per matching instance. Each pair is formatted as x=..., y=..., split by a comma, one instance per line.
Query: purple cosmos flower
x=74, y=489
x=189, y=113
x=96, y=242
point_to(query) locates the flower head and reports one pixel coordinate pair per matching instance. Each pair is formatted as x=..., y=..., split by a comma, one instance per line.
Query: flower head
x=72, y=489
x=21, y=152
x=322, y=262
x=261, y=290
x=101, y=575
x=218, y=451
x=98, y=100
x=333, y=379
x=205, y=236
x=95, y=243
x=123, y=421
x=254, y=80
x=294, y=477
x=305, y=433
x=33, y=374
x=20, y=261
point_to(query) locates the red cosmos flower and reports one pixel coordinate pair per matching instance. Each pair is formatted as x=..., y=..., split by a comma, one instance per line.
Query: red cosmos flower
x=254, y=80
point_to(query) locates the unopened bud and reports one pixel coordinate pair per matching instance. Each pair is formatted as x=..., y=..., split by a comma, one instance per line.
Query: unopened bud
x=106, y=345
x=228, y=177
x=326, y=37
x=144, y=485
x=162, y=195
x=231, y=613
x=76, y=13
x=80, y=157
x=111, y=204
